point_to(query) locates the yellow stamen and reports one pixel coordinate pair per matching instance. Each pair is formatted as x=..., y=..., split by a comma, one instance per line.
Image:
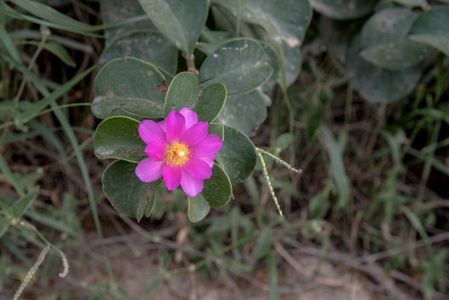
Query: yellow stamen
x=177, y=155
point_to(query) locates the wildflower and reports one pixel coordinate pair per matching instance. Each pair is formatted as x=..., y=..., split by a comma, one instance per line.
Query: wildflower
x=180, y=150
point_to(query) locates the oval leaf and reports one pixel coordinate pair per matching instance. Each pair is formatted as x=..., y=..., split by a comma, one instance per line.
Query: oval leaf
x=210, y=102
x=244, y=112
x=157, y=49
x=126, y=192
x=118, y=137
x=129, y=87
x=376, y=84
x=198, y=208
x=384, y=42
x=217, y=129
x=398, y=55
x=217, y=189
x=283, y=20
x=179, y=21
x=343, y=10
x=139, y=39
x=119, y=10
x=237, y=156
x=431, y=28
x=412, y=2
x=182, y=92
x=241, y=65
x=387, y=26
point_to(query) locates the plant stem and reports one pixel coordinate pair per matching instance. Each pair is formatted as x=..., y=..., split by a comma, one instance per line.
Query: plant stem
x=62, y=106
x=190, y=59
x=280, y=161
x=238, y=18
x=45, y=35
x=270, y=187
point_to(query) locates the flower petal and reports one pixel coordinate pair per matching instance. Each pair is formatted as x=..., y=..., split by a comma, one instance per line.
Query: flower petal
x=191, y=185
x=150, y=131
x=162, y=124
x=196, y=134
x=209, y=160
x=156, y=149
x=198, y=168
x=149, y=170
x=172, y=177
x=210, y=145
x=190, y=116
x=175, y=126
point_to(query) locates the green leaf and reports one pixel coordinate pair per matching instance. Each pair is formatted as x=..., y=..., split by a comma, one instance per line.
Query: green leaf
x=415, y=221
x=6, y=43
x=20, y=206
x=412, y=2
x=157, y=49
x=397, y=55
x=292, y=63
x=240, y=64
x=182, y=92
x=138, y=39
x=33, y=110
x=60, y=52
x=237, y=156
x=384, y=43
x=210, y=102
x=319, y=204
x=4, y=225
x=118, y=137
x=7, y=110
x=283, y=20
x=9, y=176
x=116, y=10
x=244, y=112
x=315, y=116
x=286, y=62
x=217, y=189
x=377, y=84
x=218, y=129
x=337, y=168
x=185, y=91
x=274, y=60
x=51, y=222
x=431, y=28
x=198, y=208
x=337, y=34
x=128, y=87
x=50, y=14
x=179, y=21
x=344, y=10
x=272, y=276
x=126, y=192
x=263, y=244
x=387, y=26
x=152, y=202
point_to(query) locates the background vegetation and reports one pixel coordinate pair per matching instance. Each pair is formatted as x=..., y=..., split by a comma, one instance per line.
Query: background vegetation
x=372, y=144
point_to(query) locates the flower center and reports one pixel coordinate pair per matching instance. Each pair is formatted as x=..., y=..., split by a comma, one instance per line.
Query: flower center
x=177, y=155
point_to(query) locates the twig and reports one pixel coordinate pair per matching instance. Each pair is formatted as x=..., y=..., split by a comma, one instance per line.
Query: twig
x=307, y=273
x=394, y=251
x=373, y=270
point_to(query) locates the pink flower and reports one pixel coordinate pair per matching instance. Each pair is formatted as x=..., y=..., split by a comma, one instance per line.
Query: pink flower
x=180, y=150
